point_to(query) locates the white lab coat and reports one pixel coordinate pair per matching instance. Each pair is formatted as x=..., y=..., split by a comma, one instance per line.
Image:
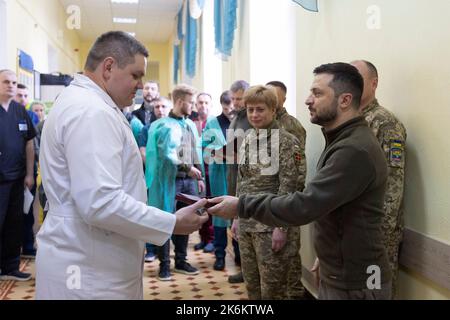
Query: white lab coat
x=91, y=245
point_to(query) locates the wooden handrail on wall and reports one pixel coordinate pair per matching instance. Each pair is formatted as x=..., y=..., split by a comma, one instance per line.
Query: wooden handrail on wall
x=420, y=253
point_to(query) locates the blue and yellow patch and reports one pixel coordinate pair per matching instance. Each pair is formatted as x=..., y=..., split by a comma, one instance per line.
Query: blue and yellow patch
x=396, y=151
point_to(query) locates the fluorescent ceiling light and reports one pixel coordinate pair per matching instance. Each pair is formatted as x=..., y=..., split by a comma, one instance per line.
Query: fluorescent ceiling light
x=125, y=1
x=124, y=20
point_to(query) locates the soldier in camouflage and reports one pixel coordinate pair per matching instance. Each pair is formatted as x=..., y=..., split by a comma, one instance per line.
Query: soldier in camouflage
x=269, y=161
x=391, y=134
x=295, y=289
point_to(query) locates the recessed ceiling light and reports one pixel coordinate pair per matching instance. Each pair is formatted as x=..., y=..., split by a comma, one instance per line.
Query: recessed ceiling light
x=125, y=1
x=124, y=20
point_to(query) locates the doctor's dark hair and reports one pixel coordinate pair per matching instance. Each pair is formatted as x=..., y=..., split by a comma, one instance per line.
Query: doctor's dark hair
x=116, y=44
x=346, y=78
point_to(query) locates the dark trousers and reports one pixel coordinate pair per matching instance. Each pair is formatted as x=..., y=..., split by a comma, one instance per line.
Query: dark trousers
x=150, y=248
x=11, y=224
x=180, y=243
x=206, y=232
x=237, y=252
x=187, y=186
x=220, y=241
x=327, y=292
x=28, y=223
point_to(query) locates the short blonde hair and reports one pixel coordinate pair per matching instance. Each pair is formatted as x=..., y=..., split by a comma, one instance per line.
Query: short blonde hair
x=261, y=94
x=182, y=90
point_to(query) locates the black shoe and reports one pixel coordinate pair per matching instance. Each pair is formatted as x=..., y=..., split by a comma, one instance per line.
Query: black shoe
x=219, y=265
x=186, y=268
x=16, y=275
x=199, y=246
x=236, y=278
x=164, y=274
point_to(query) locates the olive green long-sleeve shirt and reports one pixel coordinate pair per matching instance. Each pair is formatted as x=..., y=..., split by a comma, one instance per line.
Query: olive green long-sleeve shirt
x=345, y=200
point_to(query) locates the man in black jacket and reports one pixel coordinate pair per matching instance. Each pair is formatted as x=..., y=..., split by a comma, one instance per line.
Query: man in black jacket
x=344, y=198
x=145, y=113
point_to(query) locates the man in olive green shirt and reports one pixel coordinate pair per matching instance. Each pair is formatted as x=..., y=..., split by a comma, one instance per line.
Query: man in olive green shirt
x=344, y=198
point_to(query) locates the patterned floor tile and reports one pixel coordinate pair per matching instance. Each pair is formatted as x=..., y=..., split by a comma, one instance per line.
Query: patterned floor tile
x=208, y=285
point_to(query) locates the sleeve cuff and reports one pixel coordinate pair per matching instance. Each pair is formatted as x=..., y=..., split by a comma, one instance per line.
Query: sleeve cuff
x=241, y=207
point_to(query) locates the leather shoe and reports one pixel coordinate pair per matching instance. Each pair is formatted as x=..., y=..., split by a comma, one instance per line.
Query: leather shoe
x=199, y=246
x=219, y=265
x=236, y=278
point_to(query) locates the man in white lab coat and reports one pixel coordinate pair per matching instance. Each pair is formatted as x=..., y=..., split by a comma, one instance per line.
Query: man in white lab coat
x=91, y=245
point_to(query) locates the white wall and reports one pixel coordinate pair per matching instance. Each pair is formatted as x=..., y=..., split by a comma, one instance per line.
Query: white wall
x=3, y=36
x=33, y=26
x=410, y=50
x=272, y=45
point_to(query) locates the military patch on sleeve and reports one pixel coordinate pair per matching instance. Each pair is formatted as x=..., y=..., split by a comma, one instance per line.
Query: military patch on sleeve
x=396, y=153
x=298, y=158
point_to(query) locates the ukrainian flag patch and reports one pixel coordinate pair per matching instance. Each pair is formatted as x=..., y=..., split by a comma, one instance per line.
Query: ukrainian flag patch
x=396, y=151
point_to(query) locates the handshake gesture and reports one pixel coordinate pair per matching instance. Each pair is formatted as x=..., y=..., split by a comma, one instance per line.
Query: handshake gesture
x=224, y=206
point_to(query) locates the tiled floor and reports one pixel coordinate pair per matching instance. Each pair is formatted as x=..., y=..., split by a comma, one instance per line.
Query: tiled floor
x=209, y=284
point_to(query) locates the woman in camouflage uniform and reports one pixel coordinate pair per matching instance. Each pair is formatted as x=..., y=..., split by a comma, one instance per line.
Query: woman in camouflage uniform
x=269, y=162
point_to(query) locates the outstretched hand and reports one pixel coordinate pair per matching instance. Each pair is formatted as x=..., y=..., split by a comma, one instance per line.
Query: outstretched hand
x=188, y=218
x=225, y=207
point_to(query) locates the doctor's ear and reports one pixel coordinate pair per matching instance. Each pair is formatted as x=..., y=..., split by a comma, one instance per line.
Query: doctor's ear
x=107, y=66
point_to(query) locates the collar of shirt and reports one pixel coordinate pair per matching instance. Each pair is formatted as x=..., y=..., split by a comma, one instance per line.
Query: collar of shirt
x=372, y=105
x=280, y=112
x=331, y=135
x=85, y=82
x=173, y=115
x=148, y=107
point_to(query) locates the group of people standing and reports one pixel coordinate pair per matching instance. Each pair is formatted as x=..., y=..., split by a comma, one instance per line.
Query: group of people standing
x=250, y=159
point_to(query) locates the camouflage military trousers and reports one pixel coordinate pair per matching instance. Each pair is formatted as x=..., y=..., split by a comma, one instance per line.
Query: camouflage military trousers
x=265, y=271
x=295, y=289
x=393, y=239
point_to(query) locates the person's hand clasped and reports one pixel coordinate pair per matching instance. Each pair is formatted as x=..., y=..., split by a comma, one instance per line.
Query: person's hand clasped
x=188, y=219
x=195, y=173
x=279, y=239
x=225, y=207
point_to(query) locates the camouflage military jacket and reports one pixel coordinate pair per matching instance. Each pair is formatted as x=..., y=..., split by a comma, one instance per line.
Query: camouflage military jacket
x=391, y=135
x=268, y=162
x=294, y=127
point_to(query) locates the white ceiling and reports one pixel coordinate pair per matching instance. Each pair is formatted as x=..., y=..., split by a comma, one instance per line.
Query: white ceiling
x=155, y=18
